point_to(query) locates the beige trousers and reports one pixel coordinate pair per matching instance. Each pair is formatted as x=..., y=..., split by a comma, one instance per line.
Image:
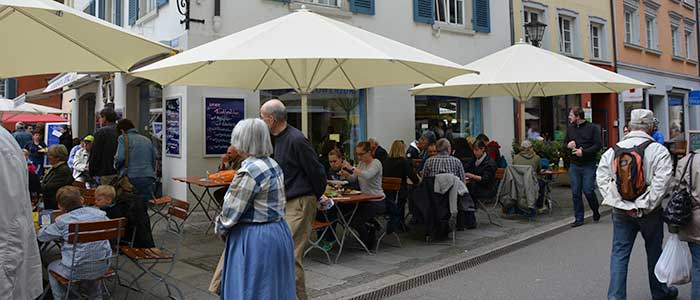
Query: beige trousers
x=300, y=214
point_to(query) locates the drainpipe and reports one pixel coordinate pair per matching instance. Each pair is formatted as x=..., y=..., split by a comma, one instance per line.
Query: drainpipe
x=512, y=23
x=697, y=37
x=217, y=16
x=614, y=60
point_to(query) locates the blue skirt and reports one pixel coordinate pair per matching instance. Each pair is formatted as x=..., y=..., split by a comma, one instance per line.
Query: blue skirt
x=259, y=262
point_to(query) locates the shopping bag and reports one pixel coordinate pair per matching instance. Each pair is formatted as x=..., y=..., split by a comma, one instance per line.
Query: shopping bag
x=674, y=264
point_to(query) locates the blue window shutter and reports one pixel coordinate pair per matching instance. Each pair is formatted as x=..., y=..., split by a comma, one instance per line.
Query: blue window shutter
x=10, y=88
x=101, y=9
x=424, y=11
x=118, y=12
x=482, y=16
x=362, y=6
x=160, y=3
x=283, y=1
x=133, y=11
x=91, y=8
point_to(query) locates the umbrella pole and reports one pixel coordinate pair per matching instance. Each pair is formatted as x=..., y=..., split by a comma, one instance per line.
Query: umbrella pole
x=305, y=114
x=519, y=126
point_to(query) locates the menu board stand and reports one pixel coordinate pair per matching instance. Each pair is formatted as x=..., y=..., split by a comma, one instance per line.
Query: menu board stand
x=220, y=117
x=173, y=120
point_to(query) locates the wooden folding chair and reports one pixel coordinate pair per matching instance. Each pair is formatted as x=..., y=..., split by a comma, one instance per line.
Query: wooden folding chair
x=147, y=258
x=500, y=174
x=79, y=184
x=157, y=206
x=88, y=232
x=391, y=184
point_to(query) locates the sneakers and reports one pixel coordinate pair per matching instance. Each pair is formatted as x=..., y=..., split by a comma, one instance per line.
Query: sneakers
x=576, y=224
x=671, y=293
x=596, y=216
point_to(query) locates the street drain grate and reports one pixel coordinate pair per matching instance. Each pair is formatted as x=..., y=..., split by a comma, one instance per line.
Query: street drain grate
x=417, y=281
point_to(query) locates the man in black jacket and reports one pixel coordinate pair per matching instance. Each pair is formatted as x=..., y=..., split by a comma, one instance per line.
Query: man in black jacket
x=104, y=147
x=584, y=142
x=304, y=180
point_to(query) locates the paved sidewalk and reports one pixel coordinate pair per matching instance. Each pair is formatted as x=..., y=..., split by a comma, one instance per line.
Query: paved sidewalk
x=200, y=253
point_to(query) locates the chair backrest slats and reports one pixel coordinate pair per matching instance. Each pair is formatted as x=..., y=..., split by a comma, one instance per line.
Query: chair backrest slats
x=85, y=232
x=500, y=173
x=391, y=183
x=178, y=209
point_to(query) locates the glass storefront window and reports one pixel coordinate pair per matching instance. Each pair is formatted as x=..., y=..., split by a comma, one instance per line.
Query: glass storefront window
x=563, y=105
x=460, y=117
x=676, y=125
x=334, y=114
x=629, y=107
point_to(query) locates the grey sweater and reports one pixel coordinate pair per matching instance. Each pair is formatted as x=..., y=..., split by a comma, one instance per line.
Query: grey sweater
x=370, y=179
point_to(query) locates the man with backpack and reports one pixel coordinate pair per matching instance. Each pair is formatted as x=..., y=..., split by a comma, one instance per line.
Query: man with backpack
x=632, y=177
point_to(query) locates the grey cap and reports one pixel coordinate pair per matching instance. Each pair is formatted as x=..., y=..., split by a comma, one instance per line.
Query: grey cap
x=642, y=117
x=526, y=144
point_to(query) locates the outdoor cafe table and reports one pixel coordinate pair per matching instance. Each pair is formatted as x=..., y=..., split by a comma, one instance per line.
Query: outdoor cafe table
x=206, y=184
x=355, y=199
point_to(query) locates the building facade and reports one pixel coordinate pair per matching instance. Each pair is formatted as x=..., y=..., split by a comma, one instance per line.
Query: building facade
x=459, y=30
x=580, y=29
x=657, y=43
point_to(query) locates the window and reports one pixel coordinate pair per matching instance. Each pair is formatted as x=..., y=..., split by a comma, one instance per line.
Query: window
x=334, y=3
x=596, y=42
x=689, y=39
x=529, y=16
x=651, y=31
x=631, y=26
x=459, y=116
x=566, y=39
x=449, y=11
x=146, y=7
x=676, y=40
x=2, y=88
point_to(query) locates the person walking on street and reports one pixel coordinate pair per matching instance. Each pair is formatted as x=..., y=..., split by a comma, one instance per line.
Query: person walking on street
x=22, y=136
x=584, y=142
x=141, y=160
x=304, y=180
x=691, y=232
x=641, y=214
x=104, y=148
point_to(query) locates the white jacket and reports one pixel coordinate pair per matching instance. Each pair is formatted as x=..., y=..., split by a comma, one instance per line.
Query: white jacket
x=20, y=264
x=658, y=168
x=80, y=163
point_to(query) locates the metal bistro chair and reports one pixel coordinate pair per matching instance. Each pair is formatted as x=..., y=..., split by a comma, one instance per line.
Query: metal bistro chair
x=157, y=205
x=392, y=184
x=88, y=232
x=147, y=258
x=326, y=226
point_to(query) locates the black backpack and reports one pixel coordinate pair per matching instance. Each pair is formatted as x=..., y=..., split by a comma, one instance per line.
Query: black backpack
x=679, y=210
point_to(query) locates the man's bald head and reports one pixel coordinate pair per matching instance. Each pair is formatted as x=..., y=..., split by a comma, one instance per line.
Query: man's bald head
x=274, y=108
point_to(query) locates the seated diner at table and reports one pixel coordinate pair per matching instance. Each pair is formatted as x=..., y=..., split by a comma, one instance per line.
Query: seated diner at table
x=126, y=205
x=528, y=157
x=229, y=161
x=58, y=175
x=368, y=174
x=91, y=263
x=481, y=174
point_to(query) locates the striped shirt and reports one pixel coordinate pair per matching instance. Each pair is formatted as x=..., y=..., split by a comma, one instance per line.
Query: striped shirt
x=256, y=195
x=441, y=164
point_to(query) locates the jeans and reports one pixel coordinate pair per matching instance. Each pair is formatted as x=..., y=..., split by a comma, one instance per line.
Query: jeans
x=143, y=187
x=395, y=211
x=695, y=271
x=583, y=178
x=625, y=230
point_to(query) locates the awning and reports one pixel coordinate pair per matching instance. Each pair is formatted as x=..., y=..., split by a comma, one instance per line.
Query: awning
x=63, y=80
x=31, y=118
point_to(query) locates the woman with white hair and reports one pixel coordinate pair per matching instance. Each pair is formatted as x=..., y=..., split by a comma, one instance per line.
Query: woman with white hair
x=59, y=175
x=259, y=252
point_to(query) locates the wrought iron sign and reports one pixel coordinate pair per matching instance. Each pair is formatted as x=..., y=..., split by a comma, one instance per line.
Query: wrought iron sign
x=183, y=6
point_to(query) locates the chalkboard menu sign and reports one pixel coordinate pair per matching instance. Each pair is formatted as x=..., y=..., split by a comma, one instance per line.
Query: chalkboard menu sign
x=694, y=140
x=220, y=116
x=172, y=127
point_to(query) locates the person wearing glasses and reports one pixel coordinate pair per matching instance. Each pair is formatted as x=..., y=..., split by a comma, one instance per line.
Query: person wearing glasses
x=368, y=174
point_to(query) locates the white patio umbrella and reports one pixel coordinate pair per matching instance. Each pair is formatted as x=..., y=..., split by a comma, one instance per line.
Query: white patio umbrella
x=524, y=71
x=303, y=51
x=44, y=36
x=8, y=106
